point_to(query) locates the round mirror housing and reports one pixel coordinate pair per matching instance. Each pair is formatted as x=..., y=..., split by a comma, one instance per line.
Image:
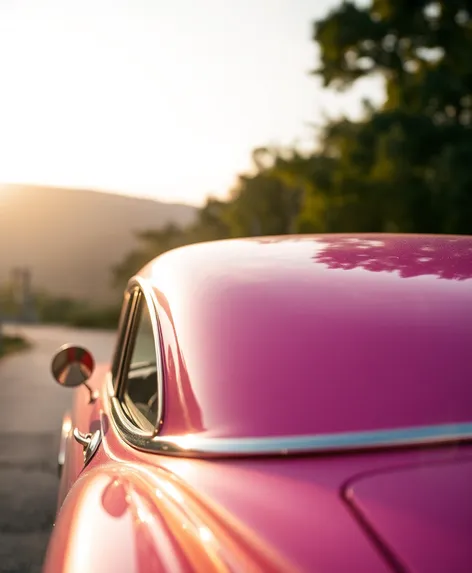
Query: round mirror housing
x=73, y=366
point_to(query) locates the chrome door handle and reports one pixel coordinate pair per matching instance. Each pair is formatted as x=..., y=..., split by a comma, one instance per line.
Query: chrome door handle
x=83, y=439
x=89, y=442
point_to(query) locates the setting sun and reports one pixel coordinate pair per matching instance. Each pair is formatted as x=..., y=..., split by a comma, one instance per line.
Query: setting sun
x=160, y=99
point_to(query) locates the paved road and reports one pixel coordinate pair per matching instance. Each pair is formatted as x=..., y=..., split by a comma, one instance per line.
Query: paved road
x=31, y=408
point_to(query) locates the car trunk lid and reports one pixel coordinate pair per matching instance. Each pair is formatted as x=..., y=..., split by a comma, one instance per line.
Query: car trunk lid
x=420, y=516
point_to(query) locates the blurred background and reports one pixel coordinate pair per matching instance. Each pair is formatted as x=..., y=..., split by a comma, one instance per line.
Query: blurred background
x=131, y=127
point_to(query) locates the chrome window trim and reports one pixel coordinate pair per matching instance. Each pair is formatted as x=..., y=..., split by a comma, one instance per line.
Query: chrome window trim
x=127, y=341
x=115, y=390
x=120, y=332
x=124, y=328
x=130, y=433
x=195, y=446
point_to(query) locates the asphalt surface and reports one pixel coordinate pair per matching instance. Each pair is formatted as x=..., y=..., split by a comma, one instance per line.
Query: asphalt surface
x=31, y=409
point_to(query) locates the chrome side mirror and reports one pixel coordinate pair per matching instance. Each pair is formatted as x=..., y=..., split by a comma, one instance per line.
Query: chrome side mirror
x=73, y=366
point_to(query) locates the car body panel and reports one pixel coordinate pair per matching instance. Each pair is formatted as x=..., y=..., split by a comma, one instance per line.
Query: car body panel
x=263, y=514
x=278, y=338
x=86, y=418
x=301, y=504
x=163, y=517
x=423, y=512
x=290, y=321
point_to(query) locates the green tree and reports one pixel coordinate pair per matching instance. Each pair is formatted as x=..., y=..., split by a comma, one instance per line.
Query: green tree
x=405, y=166
x=420, y=47
x=268, y=201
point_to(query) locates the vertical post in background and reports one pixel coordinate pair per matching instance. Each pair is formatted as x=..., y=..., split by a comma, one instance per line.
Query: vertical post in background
x=1, y=324
x=26, y=310
x=16, y=292
x=27, y=306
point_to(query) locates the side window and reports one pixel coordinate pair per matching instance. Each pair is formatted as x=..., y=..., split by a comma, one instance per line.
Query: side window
x=139, y=396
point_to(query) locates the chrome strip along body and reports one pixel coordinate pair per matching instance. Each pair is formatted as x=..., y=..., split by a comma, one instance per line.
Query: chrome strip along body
x=195, y=446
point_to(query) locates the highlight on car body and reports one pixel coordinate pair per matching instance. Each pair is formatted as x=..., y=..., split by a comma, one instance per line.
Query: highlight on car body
x=271, y=400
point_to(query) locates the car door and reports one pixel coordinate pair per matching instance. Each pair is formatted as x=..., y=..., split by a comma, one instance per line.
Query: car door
x=84, y=416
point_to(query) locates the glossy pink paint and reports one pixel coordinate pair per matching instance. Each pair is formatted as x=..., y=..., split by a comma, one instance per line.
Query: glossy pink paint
x=309, y=335
x=261, y=515
x=423, y=512
x=288, y=336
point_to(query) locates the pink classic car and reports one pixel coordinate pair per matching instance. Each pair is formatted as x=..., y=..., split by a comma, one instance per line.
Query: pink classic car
x=277, y=404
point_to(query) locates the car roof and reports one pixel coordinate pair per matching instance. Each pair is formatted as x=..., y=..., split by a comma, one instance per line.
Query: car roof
x=315, y=334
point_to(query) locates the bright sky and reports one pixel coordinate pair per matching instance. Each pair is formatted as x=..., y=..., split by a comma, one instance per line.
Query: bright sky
x=160, y=98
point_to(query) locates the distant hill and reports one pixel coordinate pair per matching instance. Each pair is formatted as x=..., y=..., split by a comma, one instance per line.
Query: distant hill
x=71, y=238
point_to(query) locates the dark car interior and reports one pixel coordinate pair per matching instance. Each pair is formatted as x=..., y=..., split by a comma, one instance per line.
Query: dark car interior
x=141, y=394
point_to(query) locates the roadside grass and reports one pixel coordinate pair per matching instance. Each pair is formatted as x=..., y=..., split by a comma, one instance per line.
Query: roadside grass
x=11, y=344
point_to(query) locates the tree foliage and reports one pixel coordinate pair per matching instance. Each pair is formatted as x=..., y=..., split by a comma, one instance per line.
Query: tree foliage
x=404, y=167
